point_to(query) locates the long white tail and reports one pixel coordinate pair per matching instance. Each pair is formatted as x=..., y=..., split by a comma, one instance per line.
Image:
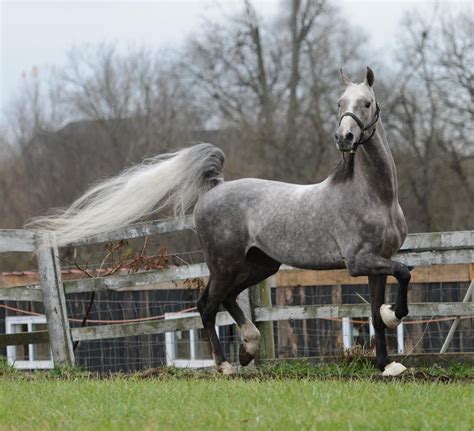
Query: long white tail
x=174, y=181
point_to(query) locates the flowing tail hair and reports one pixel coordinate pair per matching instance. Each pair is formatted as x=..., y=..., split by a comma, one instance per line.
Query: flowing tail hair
x=175, y=181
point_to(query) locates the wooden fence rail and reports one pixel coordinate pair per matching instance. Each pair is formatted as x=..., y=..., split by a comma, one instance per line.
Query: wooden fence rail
x=175, y=278
x=264, y=314
x=261, y=314
x=423, y=249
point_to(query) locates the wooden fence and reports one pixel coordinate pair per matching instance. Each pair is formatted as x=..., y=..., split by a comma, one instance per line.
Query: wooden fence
x=446, y=249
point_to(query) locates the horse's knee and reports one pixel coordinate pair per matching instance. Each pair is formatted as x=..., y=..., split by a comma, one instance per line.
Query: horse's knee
x=208, y=318
x=402, y=274
x=207, y=312
x=405, y=274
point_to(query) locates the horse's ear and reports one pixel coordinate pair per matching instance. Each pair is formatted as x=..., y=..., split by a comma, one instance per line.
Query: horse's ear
x=369, y=77
x=345, y=80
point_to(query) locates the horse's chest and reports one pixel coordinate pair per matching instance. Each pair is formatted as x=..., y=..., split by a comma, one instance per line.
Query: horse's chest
x=391, y=241
x=385, y=232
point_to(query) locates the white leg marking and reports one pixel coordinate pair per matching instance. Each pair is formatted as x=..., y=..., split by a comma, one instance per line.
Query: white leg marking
x=226, y=368
x=250, y=337
x=393, y=369
x=388, y=316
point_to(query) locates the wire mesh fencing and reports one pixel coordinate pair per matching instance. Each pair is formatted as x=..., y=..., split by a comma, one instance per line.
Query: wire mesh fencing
x=326, y=337
x=292, y=338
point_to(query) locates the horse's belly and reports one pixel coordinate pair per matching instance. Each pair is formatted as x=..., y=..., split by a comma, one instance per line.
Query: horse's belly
x=303, y=251
x=330, y=261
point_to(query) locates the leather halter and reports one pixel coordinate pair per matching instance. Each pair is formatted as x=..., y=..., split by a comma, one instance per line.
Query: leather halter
x=363, y=128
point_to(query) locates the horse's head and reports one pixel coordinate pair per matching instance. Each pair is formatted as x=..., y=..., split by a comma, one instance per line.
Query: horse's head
x=358, y=113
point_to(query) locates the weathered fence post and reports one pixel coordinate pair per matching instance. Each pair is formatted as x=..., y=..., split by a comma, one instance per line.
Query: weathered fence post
x=260, y=296
x=54, y=301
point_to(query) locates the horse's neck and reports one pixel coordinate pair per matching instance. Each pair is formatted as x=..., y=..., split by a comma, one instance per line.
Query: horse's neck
x=376, y=165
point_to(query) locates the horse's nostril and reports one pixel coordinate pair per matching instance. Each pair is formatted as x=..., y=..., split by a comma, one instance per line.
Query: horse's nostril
x=349, y=136
x=337, y=137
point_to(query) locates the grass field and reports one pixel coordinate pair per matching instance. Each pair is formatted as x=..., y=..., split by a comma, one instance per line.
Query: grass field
x=279, y=398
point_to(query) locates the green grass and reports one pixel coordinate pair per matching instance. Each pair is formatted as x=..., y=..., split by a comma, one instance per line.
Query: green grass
x=280, y=397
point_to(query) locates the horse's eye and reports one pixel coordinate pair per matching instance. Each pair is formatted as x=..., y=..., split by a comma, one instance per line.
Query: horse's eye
x=367, y=104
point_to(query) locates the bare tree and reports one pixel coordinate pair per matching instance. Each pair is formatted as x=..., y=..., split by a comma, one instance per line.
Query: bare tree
x=302, y=19
x=136, y=88
x=121, y=109
x=270, y=87
x=37, y=107
x=432, y=120
x=271, y=81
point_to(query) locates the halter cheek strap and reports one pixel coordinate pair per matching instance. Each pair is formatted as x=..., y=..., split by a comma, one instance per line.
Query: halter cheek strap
x=362, y=127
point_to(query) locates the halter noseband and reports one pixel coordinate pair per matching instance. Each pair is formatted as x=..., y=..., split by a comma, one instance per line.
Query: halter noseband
x=362, y=127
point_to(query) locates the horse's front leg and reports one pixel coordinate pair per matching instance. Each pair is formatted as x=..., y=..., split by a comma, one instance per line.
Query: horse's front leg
x=377, y=285
x=383, y=315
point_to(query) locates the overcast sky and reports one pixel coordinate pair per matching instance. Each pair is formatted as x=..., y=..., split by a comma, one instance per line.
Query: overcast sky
x=39, y=33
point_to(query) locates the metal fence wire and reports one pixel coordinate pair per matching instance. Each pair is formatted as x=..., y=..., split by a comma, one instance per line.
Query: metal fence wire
x=139, y=280
x=292, y=338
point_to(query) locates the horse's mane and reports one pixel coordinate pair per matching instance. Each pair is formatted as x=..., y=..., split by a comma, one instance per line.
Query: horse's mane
x=344, y=170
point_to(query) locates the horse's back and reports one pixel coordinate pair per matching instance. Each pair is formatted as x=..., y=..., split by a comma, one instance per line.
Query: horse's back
x=242, y=195
x=283, y=220
x=233, y=202
x=228, y=204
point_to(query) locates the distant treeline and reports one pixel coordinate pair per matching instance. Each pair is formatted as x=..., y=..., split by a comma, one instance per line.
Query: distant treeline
x=268, y=91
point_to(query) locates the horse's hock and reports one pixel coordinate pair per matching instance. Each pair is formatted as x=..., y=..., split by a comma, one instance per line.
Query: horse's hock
x=148, y=318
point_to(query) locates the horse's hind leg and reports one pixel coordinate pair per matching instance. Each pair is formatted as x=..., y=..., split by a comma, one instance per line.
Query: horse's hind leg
x=258, y=266
x=225, y=284
x=208, y=305
x=249, y=334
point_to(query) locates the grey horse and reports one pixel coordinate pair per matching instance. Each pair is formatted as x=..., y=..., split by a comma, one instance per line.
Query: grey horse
x=249, y=227
x=350, y=220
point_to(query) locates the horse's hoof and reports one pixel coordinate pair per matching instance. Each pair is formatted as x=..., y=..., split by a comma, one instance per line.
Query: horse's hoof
x=393, y=369
x=244, y=357
x=226, y=369
x=388, y=316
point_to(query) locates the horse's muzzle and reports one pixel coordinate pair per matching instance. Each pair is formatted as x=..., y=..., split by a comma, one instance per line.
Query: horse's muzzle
x=344, y=146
